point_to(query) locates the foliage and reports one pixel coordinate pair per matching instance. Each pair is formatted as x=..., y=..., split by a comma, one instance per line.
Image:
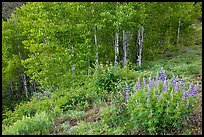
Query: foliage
x=37, y=125
x=46, y=41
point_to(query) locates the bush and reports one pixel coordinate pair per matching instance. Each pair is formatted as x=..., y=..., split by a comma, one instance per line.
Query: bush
x=37, y=125
x=106, y=77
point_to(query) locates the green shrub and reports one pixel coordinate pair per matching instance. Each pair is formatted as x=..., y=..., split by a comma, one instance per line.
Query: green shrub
x=37, y=125
x=105, y=78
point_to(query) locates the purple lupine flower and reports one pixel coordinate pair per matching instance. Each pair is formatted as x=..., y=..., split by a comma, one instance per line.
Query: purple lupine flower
x=162, y=75
x=164, y=86
x=138, y=83
x=190, y=90
x=173, y=81
x=188, y=93
x=187, y=105
x=157, y=79
x=176, y=87
x=144, y=82
x=182, y=81
x=184, y=96
x=127, y=89
x=195, y=90
x=126, y=96
x=150, y=84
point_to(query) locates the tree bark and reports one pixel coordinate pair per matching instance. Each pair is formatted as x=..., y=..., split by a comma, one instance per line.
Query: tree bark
x=25, y=84
x=124, y=48
x=140, y=42
x=116, y=47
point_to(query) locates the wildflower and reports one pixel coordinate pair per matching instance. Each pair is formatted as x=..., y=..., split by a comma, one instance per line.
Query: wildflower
x=174, y=80
x=195, y=90
x=138, y=83
x=182, y=81
x=184, y=96
x=162, y=75
x=164, y=86
x=150, y=85
x=127, y=88
x=176, y=87
x=126, y=96
x=190, y=90
x=157, y=79
x=187, y=105
x=144, y=82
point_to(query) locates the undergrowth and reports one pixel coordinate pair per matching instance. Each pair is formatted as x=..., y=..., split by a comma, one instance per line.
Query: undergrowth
x=114, y=101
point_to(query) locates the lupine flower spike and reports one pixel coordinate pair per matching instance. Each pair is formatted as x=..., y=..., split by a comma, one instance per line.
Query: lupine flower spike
x=144, y=82
x=138, y=83
x=164, y=86
x=182, y=81
x=162, y=75
x=173, y=81
x=195, y=90
x=127, y=90
x=189, y=92
x=176, y=87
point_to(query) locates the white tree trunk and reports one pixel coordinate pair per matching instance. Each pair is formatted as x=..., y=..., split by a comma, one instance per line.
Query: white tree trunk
x=140, y=42
x=124, y=48
x=137, y=46
x=23, y=76
x=95, y=39
x=25, y=84
x=179, y=23
x=116, y=47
